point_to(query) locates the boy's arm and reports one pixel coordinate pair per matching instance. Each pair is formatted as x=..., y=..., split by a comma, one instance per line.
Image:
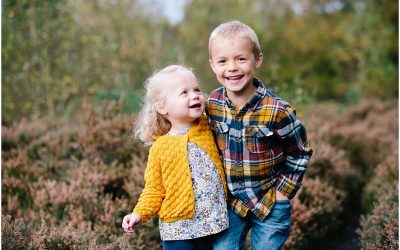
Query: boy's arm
x=297, y=151
x=153, y=193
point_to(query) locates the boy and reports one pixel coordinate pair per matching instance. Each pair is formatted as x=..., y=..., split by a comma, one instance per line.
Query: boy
x=264, y=147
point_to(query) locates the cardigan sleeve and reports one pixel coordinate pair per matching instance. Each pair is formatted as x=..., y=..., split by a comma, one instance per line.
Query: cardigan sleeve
x=153, y=193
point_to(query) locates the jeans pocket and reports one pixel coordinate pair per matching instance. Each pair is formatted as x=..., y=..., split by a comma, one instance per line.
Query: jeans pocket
x=281, y=212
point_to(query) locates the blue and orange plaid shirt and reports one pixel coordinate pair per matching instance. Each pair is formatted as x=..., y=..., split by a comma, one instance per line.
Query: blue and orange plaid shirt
x=264, y=148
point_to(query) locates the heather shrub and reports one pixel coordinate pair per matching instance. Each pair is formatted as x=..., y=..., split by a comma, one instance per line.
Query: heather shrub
x=380, y=228
x=349, y=146
x=22, y=133
x=352, y=147
x=385, y=177
x=315, y=213
x=368, y=132
x=14, y=234
x=109, y=136
x=329, y=161
x=68, y=184
x=72, y=183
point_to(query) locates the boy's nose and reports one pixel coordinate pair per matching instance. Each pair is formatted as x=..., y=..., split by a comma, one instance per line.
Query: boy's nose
x=232, y=66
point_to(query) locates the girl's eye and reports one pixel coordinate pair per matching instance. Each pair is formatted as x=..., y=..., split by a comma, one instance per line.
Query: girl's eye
x=184, y=92
x=242, y=59
x=197, y=90
x=221, y=61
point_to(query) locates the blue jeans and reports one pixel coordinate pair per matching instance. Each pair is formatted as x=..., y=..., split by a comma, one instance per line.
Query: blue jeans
x=268, y=234
x=202, y=243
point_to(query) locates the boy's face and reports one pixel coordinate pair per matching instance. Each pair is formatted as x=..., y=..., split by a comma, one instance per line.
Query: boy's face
x=234, y=62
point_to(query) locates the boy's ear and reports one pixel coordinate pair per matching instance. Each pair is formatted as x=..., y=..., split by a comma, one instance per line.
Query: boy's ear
x=259, y=59
x=211, y=64
x=160, y=108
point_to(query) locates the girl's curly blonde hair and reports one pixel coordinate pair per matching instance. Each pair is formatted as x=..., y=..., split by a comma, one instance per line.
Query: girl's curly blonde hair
x=150, y=124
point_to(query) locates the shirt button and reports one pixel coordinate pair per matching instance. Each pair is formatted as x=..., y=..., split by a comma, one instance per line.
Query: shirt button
x=246, y=201
x=237, y=139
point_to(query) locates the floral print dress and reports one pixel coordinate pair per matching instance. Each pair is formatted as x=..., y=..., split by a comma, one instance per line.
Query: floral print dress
x=211, y=215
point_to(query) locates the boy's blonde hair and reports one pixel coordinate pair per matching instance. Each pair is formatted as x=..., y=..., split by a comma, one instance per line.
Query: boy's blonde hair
x=233, y=29
x=150, y=124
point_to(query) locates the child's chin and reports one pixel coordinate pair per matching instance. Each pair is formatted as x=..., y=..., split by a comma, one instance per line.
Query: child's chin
x=198, y=115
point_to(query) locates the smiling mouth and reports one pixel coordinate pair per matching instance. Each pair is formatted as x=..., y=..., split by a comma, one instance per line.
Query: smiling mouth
x=234, y=77
x=197, y=105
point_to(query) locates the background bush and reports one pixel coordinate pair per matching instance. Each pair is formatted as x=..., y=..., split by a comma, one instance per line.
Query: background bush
x=68, y=184
x=72, y=75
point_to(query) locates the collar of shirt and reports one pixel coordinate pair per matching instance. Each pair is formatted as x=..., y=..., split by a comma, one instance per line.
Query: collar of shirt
x=254, y=100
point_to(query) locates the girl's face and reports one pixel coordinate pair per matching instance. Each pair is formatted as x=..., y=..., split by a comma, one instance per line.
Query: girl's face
x=183, y=100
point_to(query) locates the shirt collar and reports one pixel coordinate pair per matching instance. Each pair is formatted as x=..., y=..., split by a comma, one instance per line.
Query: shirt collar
x=254, y=100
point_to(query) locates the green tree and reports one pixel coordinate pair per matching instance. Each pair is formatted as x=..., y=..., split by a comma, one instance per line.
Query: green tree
x=34, y=35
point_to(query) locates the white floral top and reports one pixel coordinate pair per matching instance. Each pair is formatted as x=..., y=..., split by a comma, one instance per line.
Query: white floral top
x=211, y=214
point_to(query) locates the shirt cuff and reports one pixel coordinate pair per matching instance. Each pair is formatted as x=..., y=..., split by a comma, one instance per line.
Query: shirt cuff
x=286, y=186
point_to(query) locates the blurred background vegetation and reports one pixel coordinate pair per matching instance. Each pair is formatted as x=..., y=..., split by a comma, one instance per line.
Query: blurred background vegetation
x=59, y=54
x=72, y=76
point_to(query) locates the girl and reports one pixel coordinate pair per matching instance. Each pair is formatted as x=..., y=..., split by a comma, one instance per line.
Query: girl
x=185, y=182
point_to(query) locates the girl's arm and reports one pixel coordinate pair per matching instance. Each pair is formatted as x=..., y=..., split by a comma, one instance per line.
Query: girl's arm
x=153, y=193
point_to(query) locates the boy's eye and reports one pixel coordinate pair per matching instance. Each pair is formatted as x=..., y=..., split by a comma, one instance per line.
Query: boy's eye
x=184, y=92
x=242, y=59
x=221, y=61
x=197, y=90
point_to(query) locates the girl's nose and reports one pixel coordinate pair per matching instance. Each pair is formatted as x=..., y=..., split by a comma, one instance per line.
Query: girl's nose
x=195, y=95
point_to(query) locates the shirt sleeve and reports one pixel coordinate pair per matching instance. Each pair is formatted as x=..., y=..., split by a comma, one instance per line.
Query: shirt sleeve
x=153, y=193
x=297, y=151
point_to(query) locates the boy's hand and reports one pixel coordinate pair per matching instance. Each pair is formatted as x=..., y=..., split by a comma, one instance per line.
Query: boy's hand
x=130, y=221
x=280, y=196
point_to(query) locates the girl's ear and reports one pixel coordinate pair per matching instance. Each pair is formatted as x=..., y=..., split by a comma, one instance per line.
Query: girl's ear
x=160, y=108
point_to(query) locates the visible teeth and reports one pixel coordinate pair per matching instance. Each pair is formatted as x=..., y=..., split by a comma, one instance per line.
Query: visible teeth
x=234, y=77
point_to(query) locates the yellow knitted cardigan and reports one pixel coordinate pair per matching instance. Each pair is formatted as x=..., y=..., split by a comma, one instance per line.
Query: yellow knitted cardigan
x=168, y=190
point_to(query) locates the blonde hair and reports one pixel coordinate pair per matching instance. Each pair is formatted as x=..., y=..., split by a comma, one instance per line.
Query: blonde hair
x=233, y=29
x=150, y=124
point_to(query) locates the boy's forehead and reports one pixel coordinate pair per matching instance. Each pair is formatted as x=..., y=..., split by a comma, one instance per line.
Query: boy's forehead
x=242, y=40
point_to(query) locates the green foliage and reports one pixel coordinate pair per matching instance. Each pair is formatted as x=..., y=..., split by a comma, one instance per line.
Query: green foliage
x=98, y=51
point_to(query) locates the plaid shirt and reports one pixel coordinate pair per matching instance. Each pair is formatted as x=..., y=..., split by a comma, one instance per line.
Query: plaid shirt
x=264, y=148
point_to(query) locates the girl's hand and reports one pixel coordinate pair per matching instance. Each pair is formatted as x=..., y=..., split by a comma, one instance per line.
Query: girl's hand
x=130, y=221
